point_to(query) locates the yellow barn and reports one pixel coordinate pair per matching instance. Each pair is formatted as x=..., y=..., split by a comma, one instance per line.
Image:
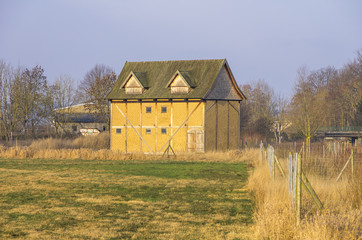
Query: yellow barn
x=192, y=106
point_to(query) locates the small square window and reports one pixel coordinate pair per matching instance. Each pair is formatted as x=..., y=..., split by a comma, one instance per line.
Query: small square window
x=148, y=130
x=148, y=109
x=163, y=131
x=118, y=130
x=163, y=109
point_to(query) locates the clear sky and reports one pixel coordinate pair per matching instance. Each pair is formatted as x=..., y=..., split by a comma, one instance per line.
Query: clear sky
x=261, y=39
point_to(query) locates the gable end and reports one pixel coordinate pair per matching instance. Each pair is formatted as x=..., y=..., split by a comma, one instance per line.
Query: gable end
x=180, y=83
x=225, y=87
x=134, y=83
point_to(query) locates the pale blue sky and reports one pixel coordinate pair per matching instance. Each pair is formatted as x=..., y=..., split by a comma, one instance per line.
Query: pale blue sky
x=265, y=39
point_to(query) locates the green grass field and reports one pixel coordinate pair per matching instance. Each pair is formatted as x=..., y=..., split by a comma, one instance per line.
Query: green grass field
x=79, y=199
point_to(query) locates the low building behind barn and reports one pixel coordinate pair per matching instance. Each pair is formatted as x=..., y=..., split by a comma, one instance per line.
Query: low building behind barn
x=78, y=119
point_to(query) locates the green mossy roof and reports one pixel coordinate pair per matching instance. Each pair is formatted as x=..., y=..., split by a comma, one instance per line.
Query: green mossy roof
x=200, y=74
x=142, y=77
x=186, y=75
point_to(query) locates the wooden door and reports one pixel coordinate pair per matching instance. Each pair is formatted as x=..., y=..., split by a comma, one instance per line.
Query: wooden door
x=195, y=140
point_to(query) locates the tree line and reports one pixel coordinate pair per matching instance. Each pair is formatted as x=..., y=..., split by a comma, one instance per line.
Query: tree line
x=28, y=101
x=327, y=97
x=323, y=97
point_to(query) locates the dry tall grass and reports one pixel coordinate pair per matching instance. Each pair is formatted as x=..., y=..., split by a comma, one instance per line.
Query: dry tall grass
x=341, y=217
x=97, y=148
x=100, y=141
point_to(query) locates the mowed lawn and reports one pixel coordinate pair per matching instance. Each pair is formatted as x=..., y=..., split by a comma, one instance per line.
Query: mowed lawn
x=78, y=199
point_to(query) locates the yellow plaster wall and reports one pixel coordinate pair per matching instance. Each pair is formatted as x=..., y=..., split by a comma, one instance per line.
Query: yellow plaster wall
x=164, y=119
x=118, y=140
x=197, y=118
x=133, y=113
x=179, y=142
x=150, y=140
x=148, y=119
x=176, y=114
x=118, y=121
x=163, y=138
x=179, y=115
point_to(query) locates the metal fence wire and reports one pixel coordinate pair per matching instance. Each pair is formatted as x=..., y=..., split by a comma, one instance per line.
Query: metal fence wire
x=300, y=165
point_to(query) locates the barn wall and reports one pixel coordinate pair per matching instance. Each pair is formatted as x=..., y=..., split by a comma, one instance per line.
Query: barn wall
x=221, y=125
x=234, y=125
x=210, y=125
x=155, y=128
x=179, y=114
x=118, y=122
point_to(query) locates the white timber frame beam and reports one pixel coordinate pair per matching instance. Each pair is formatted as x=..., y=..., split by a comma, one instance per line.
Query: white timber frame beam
x=187, y=118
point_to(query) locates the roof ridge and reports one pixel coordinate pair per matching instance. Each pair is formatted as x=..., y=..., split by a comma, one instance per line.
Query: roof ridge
x=187, y=60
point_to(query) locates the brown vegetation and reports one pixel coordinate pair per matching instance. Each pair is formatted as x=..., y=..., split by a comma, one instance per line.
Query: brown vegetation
x=275, y=218
x=97, y=148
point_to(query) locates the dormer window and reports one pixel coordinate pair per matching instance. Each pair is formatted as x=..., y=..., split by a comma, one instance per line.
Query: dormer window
x=181, y=83
x=135, y=83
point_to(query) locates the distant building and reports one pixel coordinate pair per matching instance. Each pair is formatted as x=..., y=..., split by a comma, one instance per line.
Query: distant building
x=77, y=119
x=193, y=106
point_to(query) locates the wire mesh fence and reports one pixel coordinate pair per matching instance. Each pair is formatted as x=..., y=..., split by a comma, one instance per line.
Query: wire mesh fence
x=324, y=159
x=315, y=161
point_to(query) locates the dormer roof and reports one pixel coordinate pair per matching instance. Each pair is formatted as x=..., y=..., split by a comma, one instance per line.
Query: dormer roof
x=185, y=76
x=140, y=77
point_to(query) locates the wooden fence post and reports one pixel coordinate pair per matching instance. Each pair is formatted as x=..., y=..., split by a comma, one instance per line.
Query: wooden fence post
x=273, y=162
x=290, y=173
x=295, y=177
x=261, y=150
x=270, y=159
x=298, y=190
x=324, y=153
x=352, y=162
x=265, y=153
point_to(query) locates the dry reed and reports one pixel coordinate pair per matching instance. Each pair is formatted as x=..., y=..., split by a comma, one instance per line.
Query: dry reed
x=97, y=148
x=274, y=217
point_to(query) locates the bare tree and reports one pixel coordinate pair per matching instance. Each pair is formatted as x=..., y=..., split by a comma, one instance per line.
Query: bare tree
x=6, y=120
x=257, y=111
x=63, y=94
x=31, y=98
x=307, y=114
x=94, y=89
x=281, y=121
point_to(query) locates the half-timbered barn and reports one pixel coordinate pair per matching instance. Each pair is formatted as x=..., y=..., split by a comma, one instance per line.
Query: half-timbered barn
x=191, y=106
